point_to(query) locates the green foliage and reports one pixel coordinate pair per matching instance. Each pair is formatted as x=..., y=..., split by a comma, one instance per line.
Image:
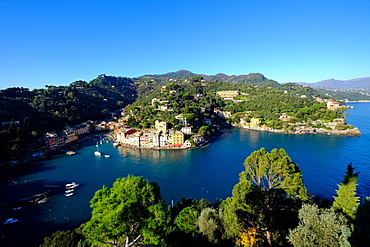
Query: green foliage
x=52, y=108
x=204, y=131
x=260, y=203
x=347, y=201
x=210, y=224
x=275, y=170
x=319, y=227
x=361, y=234
x=187, y=219
x=69, y=238
x=130, y=212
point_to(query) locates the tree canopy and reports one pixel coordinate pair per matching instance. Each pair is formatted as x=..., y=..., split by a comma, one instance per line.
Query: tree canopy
x=275, y=170
x=131, y=212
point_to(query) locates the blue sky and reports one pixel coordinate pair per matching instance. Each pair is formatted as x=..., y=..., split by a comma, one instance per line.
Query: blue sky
x=58, y=42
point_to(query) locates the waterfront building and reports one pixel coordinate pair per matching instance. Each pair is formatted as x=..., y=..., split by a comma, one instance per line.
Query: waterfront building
x=255, y=121
x=53, y=141
x=69, y=135
x=176, y=138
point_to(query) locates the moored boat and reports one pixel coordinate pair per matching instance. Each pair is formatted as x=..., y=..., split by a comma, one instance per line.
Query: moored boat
x=42, y=201
x=51, y=186
x=97, y=153
x=10, y=221
x=72, y=185
x=69, y=194
x=71, y=152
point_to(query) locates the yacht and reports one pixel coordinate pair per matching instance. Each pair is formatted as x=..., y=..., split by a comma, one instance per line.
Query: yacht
x=72, y=185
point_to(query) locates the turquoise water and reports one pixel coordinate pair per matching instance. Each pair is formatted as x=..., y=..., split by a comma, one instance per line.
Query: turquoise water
x=209, y=172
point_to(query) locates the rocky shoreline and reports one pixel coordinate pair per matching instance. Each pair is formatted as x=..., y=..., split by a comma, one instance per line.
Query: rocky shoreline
x=302, y=130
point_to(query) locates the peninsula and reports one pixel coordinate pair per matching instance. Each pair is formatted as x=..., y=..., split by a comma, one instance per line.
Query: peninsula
x=174, y=110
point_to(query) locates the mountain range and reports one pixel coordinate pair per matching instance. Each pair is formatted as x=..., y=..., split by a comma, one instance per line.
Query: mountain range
x=358, y=83
x=261, y=80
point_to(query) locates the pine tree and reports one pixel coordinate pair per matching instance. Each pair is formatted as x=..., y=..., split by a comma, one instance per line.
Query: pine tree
x=347, y=201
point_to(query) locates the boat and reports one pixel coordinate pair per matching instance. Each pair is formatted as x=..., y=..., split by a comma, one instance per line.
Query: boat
x=107, y=156
x=10, y=221
x=69, y=194
x=115, y=144
x=72, y=185
x=97, y=153
x=71, y=152
x=42, y=201
x=69, y=191
x=17, y=208
x=52, y=186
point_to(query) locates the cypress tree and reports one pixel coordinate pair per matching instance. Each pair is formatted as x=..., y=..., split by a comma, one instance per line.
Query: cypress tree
x=347, y=201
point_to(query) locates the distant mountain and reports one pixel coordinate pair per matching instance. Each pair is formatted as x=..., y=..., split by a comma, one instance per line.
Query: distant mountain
x=332, y=83
x=252, y=78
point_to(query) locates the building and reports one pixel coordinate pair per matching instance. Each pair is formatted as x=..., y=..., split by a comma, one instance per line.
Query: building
x=228, y=94
x=160, y=126
x=255, y=121
x=186, y=130
x=198, y=139
x=54, y=141
x=332, y=105
x=175, y=138
x=182, y=119
x=69, y=135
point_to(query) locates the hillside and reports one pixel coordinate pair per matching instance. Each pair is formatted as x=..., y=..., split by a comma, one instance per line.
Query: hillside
x=252, y=78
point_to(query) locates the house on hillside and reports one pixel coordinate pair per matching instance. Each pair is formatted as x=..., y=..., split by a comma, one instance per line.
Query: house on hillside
x=227, y=94
x=332, y=105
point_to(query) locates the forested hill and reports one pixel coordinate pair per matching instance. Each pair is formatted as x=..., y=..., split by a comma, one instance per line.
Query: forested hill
x=38, y=111
x=252, y=78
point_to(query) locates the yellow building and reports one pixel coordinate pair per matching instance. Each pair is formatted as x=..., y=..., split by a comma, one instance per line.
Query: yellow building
x=176, y=138
x=255, y=121
x=161, y=126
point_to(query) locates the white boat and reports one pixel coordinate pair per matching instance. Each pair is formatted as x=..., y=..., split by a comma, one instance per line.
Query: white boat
x=69, y=194
x=115, y=144
x=69, y=191
x=10, y=221
x=107, y=156
x=72, y=185
x=71, y=152
x=97, y=153
x=42, y=201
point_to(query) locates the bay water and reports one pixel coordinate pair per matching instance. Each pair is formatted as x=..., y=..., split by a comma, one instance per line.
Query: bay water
x=209, y=172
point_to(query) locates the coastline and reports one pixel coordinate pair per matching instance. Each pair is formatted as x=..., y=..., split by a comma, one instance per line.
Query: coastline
x=305, y=130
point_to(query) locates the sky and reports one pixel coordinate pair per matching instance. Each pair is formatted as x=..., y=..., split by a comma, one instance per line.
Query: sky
x=58, y=42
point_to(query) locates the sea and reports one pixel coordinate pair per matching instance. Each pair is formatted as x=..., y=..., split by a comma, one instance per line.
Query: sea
x=209, y=172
